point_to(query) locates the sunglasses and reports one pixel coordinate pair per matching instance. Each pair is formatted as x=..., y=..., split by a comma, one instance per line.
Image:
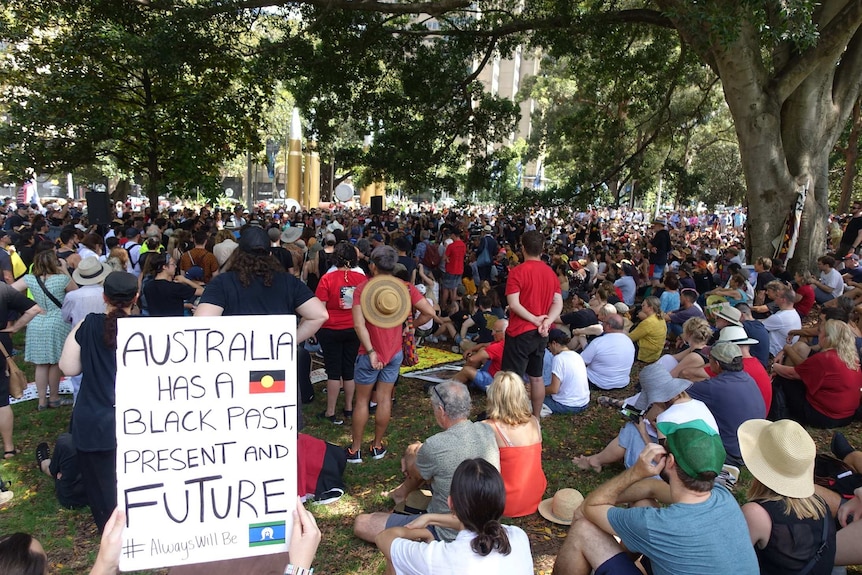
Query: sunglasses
x=439, y=397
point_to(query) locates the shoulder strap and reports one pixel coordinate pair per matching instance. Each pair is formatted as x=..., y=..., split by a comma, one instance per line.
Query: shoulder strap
x=503, y=435
x=824, y=542
x=47, y=293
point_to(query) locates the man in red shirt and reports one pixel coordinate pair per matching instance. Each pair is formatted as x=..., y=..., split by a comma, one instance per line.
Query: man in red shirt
x=535, y=302
x=454, y=260
x=484, y=361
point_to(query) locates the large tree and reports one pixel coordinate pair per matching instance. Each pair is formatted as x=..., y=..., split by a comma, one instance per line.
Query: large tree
x=790, y=72
x=162, y=96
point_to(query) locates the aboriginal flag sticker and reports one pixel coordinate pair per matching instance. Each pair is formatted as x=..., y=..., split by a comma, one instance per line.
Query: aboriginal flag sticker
x=271, y=381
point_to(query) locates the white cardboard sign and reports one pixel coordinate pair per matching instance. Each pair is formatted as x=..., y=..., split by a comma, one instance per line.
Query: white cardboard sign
x=206, y=438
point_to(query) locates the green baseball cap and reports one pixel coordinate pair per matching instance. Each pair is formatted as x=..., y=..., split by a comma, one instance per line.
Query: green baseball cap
x=696, y=446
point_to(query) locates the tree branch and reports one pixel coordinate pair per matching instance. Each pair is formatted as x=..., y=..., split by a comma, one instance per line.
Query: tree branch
x=848, y=75
x=832, y=42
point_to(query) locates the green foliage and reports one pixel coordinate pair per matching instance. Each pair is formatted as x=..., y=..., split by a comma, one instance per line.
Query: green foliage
x=353, y=76
x=166, y=96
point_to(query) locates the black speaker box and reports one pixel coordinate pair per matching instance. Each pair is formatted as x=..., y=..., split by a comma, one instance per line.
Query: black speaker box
x=98, y=210
x=377, y=205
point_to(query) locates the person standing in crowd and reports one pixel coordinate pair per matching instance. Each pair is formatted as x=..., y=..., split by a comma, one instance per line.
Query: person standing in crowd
x=256, y=284
x=535, y=303
x=852, y=236
x=660, y=247
x=168, y=292
x=11, y=301
x=89, y=350
x=380, y=308
x=337, y=336
x=200, y=256
x=453, y=260
x=45, y=336
x=88, y=298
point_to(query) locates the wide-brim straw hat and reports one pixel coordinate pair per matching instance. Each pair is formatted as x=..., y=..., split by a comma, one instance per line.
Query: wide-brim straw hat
x=780, y=455
x=385, y=301
x=90, y=271
x=561, y=507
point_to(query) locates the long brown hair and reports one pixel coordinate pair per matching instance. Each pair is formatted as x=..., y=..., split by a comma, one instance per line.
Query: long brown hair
x=46, y=264
x=118, y=310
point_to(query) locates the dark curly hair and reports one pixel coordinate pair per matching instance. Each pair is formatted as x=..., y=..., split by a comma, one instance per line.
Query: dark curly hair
x=248, y=266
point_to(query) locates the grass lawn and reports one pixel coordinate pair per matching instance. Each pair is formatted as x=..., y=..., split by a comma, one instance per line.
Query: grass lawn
x=71, y=541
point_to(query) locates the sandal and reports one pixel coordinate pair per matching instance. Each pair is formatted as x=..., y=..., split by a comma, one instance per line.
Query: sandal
x=10, y=454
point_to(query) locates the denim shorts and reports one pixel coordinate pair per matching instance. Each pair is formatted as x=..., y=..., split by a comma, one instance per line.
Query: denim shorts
x=364, y=374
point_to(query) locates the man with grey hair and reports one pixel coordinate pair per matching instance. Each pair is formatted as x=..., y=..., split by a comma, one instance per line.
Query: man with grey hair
x=731, y=395
x=609, y=357
x=435, y=460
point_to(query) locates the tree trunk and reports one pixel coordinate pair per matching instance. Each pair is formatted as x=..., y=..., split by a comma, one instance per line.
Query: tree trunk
x=851, y=156
x=786, y=120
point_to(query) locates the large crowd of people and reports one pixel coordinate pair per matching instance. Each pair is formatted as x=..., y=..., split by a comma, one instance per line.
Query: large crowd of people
x=723, y=364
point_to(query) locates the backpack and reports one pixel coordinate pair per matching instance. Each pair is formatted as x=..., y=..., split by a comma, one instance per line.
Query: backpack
x=128, y=247
x=431, y=259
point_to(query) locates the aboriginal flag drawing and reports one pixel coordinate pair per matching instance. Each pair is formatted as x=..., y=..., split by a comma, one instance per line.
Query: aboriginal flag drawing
x=271, y=381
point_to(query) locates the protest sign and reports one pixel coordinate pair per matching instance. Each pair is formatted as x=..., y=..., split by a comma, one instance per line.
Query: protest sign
x=206, y=437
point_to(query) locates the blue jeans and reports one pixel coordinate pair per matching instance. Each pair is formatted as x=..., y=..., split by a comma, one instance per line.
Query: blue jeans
x=558, y=407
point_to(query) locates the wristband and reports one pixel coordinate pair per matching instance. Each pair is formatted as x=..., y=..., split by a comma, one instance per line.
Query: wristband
x=370, y=351
x=291, y=569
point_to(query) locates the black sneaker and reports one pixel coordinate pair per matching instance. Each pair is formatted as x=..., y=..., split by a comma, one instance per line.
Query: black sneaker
x=372, y=409
x=353, y=456
x=378, y=452
x=840, y=447
x=42, y=453
x=334, y=420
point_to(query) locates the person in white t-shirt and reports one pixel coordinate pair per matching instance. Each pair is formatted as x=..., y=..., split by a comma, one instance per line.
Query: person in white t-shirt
x=483, y=545
x=784, y=320
x=609, y=357
x=831, y=284
x=569, y=391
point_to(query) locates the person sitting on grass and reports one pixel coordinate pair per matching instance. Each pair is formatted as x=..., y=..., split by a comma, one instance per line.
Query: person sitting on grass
x=649, y=335
x=63, y=467
x=477, y=498
x=483, y=361
x=662, y=398
x=519, y=438
x=569, y=391
x=702, y=529
x=435, y=461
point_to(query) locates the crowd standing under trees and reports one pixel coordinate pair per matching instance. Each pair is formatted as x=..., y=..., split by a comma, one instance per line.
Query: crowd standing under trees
x=674, y=295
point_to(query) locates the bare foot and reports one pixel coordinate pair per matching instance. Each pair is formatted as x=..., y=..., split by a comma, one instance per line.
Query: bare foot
x=397, y=495
x=585, y=463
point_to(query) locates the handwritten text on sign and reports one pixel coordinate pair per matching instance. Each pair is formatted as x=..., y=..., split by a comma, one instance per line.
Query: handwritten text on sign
x=206, y=437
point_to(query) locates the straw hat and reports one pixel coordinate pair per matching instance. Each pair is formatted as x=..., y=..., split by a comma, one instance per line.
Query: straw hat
x=561, y=507
x=90, y=271
x=780, y=455
x=385, y=301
